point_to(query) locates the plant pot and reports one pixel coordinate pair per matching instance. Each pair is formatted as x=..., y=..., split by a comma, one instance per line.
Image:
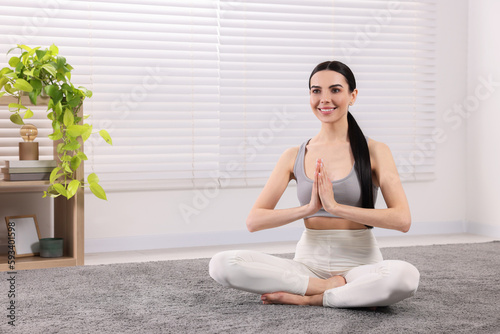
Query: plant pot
x=51, y=247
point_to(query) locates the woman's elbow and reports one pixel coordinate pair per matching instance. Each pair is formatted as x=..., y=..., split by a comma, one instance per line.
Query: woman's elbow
x=405, y=223
x=251, y=226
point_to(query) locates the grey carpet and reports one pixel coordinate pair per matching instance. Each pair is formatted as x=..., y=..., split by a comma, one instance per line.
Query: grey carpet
x=459, y=293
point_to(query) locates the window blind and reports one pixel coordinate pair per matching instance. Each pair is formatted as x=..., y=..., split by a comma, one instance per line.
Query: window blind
x=269, y=48
x=193, y=91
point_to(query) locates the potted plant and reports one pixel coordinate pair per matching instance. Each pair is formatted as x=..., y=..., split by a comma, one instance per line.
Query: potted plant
x=44, y=72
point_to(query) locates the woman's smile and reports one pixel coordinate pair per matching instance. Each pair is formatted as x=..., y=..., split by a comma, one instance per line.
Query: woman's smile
x=327, y=110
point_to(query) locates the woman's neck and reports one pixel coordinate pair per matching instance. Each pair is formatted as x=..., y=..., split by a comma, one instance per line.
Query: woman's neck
x=333, y=132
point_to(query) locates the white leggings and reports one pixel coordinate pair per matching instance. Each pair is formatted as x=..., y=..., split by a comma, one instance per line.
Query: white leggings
x=353, y=254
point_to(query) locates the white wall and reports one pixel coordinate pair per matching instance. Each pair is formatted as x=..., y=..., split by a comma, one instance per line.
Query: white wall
x=145, y=220
x=483, y=136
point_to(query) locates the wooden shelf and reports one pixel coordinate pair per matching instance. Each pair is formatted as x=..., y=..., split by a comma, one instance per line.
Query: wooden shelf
x=25, y=100
x=68, y=215
x=22, y=186
x=37, y=262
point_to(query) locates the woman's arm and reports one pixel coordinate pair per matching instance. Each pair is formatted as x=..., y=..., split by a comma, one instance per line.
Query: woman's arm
x=263, y=215
x=397, y=215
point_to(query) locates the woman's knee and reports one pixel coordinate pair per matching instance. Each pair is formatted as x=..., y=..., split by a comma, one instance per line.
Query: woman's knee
x=404, y=277
x=221, y=267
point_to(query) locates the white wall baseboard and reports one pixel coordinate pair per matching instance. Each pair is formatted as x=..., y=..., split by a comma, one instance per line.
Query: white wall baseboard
x=483, y=229
x=292, y=233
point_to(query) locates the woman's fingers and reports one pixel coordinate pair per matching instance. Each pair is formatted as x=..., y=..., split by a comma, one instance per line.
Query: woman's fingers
x=325, y=189
x=315, y=202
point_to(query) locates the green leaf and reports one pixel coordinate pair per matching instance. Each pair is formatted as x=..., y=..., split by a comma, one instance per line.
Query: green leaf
x=60, y=189
x=56, y=135
x=92, y=178
x=75, y=162
x=98, y=191
x=60, y=77
x=16, y=106
x=33, y=96
x=36, y=84
x=66, y=158
x=24, y=47
x=28, y=114
x=5, y=70
x=68, y=119
x=71, y=146
x=54, y=92
x=40, y=54
x=9, y=89
x=57, y=97
x=59, y=148
x=3, y=93
x=52, y=192
x=76, y=130
x=27, y=56
x=3, y=81
x=54, y=49
x=10, y=75
x=105, y=135
x=20, y=69
x=23, y=85
x=53, y=175
x=16, y=119
x=67, y=168
x=87, y=133
x=85, y=91
x=29, y=73
x=14, y=61
x=58, y=109
x=51, y=69
x=50, y=116
x=82, y=155
x=61, y=61
x=74, y=101
x=73, y=188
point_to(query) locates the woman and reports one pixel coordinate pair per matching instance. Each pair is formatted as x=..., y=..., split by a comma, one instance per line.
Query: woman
x=338, y=172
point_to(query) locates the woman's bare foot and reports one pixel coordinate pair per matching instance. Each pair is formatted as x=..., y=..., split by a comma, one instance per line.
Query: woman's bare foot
x=318, y=285
x=291, y=299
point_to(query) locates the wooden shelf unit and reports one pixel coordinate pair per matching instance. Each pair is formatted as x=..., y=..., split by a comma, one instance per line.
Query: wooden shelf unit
x=68, y=214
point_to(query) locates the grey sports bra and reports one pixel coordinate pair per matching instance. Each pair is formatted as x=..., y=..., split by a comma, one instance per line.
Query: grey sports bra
x=347, y=190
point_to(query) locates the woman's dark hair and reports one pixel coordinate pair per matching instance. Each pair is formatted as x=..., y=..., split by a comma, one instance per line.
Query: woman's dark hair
x=359, y=145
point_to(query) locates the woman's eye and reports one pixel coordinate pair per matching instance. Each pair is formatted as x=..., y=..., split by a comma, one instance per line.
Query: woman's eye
x=335, y=90
x=315, y=91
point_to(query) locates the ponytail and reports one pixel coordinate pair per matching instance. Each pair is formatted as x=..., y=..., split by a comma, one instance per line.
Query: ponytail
x=359, y=148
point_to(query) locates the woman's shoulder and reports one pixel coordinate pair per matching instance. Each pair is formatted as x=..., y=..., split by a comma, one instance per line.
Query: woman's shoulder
x=287, y=159
x=290, y=154
x=380, y=154
x=377, y=147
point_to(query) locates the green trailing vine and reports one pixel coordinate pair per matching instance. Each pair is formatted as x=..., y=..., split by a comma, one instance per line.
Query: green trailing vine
x=44, y=72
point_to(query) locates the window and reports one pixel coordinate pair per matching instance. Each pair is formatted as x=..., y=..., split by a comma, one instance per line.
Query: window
x=196, y=90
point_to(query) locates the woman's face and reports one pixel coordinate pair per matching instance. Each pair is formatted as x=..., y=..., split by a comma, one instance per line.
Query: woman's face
x=330, y=96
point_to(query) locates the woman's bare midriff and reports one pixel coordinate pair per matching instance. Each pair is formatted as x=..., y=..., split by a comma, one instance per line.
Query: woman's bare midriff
x=328, y=223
